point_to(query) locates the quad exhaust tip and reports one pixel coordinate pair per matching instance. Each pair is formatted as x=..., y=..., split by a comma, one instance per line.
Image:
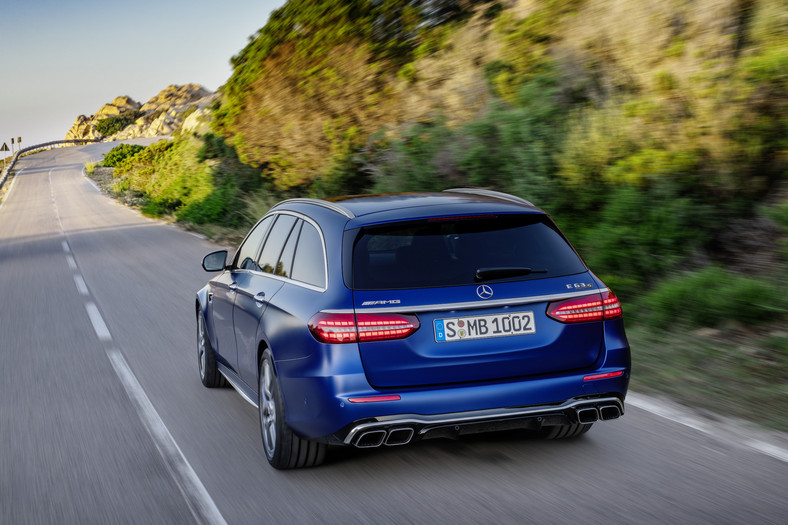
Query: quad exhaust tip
x=608, y=412
x=391, y=438
x=587, y=415
x=371, y=439
x=399, y=436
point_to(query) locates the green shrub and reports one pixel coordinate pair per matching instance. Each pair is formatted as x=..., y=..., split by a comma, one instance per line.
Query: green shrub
x=642, y=234
x=417, y=161
x=713, y=297
x=120, y=153
x=111, y=125
x=196, y=180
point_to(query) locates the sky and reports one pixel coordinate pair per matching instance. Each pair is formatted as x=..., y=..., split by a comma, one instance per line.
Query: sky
x=61, y=59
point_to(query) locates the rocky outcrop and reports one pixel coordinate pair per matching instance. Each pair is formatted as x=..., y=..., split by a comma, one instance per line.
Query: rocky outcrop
x=176, y=97
x=83, y=128
x=162, y=115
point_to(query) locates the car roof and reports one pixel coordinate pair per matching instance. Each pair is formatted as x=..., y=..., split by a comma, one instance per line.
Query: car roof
x=371, y=209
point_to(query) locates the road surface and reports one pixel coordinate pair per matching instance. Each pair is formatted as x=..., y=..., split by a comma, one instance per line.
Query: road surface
x=103, y=418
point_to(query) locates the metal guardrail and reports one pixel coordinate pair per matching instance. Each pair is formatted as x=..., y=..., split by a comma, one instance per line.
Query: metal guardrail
x=32, y=149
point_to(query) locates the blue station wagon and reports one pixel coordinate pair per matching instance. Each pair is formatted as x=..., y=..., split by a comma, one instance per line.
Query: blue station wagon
x=379, y=320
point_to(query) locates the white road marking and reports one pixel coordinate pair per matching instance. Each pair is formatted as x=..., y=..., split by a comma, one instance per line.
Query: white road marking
x=72, y=264
x=66, y=247
x=200, y=502
x=91, y=181
x=98, y=322
x=81, y=286
x=727, y=430
x=769, y=449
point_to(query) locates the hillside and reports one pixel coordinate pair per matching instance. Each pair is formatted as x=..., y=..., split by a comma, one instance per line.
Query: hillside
x=655, y=133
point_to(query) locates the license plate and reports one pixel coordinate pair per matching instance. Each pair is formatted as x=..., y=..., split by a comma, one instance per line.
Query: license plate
x=484, y=326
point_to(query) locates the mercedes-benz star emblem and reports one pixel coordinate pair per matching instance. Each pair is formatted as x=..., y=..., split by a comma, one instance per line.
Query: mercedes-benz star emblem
x=484, y=291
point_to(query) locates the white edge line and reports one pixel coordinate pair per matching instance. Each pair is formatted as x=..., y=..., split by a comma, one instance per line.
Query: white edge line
x=66, y=247
x=98, y=322
x=732, y=431
x=72, y=263
x=82, y=288
x=197, y=498
x=91, y=181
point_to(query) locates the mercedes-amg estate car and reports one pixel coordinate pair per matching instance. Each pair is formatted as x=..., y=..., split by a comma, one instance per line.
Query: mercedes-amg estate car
x=379, y=320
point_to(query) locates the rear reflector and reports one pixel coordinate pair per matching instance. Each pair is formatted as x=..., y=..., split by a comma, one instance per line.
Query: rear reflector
x=606, y=375
x=595, y=307
x=349, y=328
x=373, y=399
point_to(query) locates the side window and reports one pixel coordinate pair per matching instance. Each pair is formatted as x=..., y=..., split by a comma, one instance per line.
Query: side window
x=245, y=258
x=285, y=265
x=309, y=261
x=275, y=243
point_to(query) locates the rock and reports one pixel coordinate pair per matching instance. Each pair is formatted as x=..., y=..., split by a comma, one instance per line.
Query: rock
x=198, y=122
x=162, y=114
x=176, y=97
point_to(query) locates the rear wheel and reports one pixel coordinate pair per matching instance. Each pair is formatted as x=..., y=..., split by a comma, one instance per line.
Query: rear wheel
x=283, y=448
x=206, y=358
x=566, y=431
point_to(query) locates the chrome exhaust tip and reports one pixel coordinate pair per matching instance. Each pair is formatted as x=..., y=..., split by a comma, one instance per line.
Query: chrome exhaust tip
x=587, y=415
x=371, y=439
x=608, y=412
x=399, y=436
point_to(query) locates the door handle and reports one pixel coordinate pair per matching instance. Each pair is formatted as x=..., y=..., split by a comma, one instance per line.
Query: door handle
x=260, y=298
x=234, y=286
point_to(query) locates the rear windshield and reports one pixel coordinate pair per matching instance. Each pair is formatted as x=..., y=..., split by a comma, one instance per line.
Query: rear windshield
x=451, y=252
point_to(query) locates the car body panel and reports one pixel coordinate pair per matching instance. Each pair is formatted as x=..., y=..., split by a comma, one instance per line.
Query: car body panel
x=421, y=360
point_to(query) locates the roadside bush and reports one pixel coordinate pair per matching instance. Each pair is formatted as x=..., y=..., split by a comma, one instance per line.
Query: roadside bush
x=644, y=233
x=420, y=160
x=195, y=179
x=120, y=153
x=111, y=125
x=713, y=297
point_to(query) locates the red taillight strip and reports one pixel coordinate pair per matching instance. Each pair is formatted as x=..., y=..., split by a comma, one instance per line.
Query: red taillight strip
x=373, y=399
x=349, y=328
x=593, y=307
x=606, y=375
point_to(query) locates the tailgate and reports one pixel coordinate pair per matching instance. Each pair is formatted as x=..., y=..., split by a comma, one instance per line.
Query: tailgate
x=465, y=338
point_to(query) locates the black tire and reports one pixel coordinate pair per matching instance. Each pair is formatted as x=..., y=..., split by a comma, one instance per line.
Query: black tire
x=571, y=430
x=283, y=448
x=206, y=358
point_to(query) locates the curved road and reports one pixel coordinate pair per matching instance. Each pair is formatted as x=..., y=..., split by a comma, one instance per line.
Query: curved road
x=103, y=418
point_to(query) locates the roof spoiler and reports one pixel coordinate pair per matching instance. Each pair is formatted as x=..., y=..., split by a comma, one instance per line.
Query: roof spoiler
x=491, y=193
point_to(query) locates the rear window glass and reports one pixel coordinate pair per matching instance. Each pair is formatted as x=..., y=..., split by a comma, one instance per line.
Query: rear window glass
x=449, y=252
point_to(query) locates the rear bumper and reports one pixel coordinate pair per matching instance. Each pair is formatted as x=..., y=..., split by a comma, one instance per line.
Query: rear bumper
x=400, y=429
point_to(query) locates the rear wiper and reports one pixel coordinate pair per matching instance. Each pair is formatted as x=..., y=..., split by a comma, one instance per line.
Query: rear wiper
x=485, y=274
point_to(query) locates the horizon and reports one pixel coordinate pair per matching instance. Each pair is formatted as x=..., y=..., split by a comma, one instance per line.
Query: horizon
x=50, y=80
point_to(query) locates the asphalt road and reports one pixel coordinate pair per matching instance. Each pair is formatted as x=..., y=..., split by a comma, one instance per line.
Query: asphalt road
x=103, y=418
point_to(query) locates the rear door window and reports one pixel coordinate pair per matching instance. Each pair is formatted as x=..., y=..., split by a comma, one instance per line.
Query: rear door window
x=246, y=257
x=450, y=252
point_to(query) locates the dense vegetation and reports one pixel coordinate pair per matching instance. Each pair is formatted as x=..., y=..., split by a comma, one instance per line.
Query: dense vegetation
x=111, y=125
x=660, y=150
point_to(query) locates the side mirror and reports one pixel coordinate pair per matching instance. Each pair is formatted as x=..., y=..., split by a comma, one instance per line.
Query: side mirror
x=215, y=261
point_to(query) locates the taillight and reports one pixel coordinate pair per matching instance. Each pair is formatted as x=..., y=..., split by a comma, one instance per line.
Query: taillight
x=595, y=307
x=349, y=328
